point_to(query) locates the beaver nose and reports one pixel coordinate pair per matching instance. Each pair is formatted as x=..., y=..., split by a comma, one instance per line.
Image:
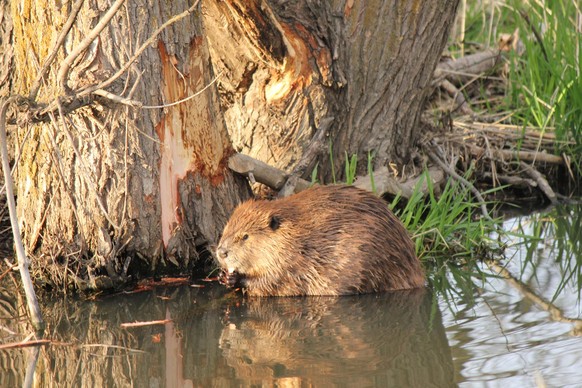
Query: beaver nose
x=222, y=253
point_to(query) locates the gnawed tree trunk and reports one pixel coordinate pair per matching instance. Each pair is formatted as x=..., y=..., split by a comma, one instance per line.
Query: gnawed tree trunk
x=109, y=186
x=290, y=66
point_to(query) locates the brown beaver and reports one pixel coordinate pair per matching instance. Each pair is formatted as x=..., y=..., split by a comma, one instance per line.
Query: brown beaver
x=327, y=240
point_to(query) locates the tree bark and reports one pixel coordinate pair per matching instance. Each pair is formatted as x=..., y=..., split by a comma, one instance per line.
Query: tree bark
x=109, y=187
x=6, y=52
x=289, y=65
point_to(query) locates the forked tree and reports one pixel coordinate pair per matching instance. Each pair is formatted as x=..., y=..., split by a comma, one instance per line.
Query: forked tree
x=125, y=114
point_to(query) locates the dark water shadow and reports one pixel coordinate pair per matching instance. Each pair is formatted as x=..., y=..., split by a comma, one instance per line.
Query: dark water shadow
x=390, y=339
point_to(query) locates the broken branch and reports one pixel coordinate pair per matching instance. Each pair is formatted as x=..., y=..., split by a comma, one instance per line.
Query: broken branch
x=147, y=323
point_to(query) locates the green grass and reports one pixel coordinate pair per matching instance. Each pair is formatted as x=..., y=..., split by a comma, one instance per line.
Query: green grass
x=450, y=236
x=544, y=80
x=542, y=89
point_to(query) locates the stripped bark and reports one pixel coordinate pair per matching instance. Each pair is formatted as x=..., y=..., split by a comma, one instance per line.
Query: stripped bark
x=105, y=188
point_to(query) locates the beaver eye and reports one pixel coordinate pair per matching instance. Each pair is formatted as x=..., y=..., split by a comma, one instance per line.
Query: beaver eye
x=274, y=223
x=245, y=237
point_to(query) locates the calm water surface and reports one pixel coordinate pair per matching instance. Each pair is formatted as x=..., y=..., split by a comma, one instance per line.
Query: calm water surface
x=508, y=334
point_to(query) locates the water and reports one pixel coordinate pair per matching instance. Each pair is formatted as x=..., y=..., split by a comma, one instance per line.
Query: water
x=525, y=331
x=502, y=336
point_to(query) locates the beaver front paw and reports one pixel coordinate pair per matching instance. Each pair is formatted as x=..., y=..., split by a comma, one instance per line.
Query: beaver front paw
x=231, y=279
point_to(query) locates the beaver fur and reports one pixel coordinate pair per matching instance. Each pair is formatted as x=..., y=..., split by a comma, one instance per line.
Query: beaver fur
x=327, y=240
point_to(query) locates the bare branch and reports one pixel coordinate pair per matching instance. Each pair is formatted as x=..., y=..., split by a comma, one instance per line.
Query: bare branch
x=68, y=61
x=468, y=66
x=262, y=172
x=556, y=314
x=24, y=344
x=541, y=181
x=148, y=323
x=33, y=307
x=528, y=156
x=118, y=99
x=386, y=183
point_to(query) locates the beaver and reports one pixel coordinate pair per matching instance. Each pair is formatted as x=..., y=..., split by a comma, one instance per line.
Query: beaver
x=326, y=240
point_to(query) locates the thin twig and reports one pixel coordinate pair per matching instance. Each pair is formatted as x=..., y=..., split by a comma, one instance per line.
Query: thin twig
x=453, y=174
x=111, y=346
x=19, y=155
x=138, y=104
x=24, y=344
x=9, y=270
x=118, y=99
x=184, y=99
x=31, y=299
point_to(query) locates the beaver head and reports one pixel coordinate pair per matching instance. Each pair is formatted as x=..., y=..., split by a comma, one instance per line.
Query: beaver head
x=254, y=242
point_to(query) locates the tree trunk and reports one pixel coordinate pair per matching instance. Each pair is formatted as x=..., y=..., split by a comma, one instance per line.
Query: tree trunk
x=106, y=187
x=288, y=66
x=109, y=187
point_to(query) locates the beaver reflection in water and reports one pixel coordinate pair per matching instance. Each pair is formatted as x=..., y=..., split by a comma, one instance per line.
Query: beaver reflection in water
x=327, y=240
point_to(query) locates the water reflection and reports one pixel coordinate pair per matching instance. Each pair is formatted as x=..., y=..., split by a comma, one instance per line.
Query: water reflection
x=523, y=327
x=549, y=260
x=392, y=339
x=374, y=340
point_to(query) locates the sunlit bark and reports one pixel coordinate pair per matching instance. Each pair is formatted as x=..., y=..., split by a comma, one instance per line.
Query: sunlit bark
x=111, y=186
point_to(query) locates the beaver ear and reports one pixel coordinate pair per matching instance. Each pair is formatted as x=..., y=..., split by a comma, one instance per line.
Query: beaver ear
x=274, y=223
